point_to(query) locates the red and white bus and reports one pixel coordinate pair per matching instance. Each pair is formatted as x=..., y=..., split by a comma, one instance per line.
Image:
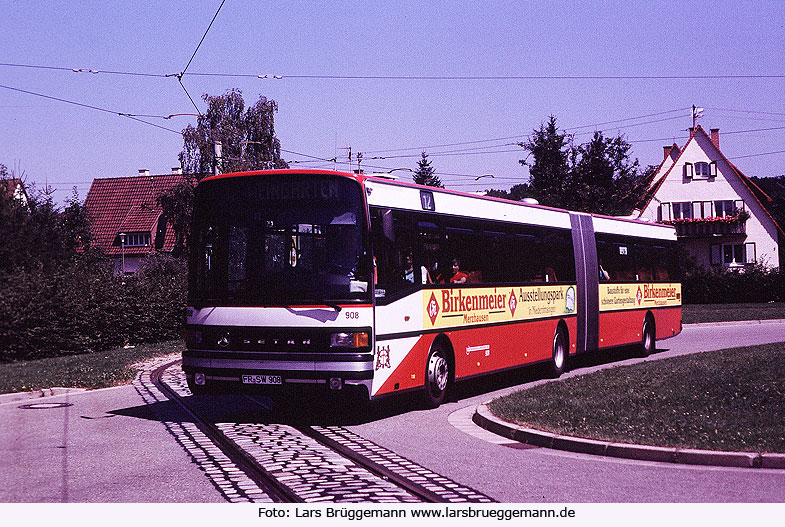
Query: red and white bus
x=337, y=280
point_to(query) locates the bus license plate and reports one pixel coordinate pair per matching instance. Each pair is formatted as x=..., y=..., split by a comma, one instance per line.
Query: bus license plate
x=262, y=379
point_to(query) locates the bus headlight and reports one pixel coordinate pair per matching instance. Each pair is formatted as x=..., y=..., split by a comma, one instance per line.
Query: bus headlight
x=193, y=337
x=349, y=340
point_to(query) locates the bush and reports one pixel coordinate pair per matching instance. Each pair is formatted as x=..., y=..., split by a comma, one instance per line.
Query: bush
x=157, y=300
x=85, y=306
x=733, y=286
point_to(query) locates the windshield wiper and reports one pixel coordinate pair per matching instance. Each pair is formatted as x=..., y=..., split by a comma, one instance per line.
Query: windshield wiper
x=333, y=305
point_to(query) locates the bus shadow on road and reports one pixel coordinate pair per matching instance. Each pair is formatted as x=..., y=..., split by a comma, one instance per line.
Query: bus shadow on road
x=347, y=408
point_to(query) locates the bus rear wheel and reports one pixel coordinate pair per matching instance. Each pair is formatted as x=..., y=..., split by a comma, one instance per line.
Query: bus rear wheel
x=558, y=364
x=648, y=338
x=437, y=376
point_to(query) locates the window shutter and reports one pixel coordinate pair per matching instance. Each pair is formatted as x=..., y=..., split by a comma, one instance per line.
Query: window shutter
x=688, y=172
x=666, y=211
x=749, y=253
x=708, y=211
x=739, y=205
x=716, y=254
x=696, y=209
x=713, y=169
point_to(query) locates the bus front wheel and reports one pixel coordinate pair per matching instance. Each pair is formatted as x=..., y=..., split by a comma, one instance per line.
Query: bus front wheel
x=437, y=376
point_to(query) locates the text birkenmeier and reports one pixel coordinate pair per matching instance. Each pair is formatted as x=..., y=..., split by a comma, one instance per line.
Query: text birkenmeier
x=653, y=291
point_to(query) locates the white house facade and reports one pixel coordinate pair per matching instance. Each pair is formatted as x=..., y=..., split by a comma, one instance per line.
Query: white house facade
x=717, y=211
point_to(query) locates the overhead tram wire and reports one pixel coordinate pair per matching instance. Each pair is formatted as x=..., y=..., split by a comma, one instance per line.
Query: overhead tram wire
x=489, y=77
x=180, y=75
x=400, y=77
x=634, y=119
x=91, y=107
x=84, y=70
x=527, y=136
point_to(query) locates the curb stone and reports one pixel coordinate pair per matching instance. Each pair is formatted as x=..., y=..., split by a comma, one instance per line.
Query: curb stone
x=483, y=418
x=37, y=394
x=737, y=323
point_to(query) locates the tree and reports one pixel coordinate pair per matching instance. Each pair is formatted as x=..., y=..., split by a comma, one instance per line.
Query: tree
x=247, y=136
x=603, y=177
x=774, y=187
x=177, y=205
x=598, y=176
x=550, y=171
x=425, y=174
x=37, y=235
x=516, y=192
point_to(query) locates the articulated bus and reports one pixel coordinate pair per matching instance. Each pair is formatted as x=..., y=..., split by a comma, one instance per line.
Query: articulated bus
x=330, y=280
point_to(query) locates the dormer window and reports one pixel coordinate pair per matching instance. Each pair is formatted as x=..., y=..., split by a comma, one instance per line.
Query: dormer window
x=137, y=239
x=700, y=170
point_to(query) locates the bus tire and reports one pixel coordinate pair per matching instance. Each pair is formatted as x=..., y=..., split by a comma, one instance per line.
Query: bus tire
x=196, y=389
x=437, y=375
x=558, y=364
x=648, y=338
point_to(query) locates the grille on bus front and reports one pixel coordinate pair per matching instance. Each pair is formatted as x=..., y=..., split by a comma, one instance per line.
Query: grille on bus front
x=277, y=340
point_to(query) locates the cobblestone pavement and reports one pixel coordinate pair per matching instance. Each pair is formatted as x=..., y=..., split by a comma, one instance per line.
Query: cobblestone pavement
x=229, y=480
x=314, y=472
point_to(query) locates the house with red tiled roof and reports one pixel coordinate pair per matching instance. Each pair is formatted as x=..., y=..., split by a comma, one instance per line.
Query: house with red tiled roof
x=720, y=215
x=126, y=221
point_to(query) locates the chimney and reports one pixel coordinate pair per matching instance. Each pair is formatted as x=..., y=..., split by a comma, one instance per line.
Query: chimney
x=144, y=172
x=177, y=171
x=715, y=137
x=666, y=151
x=692, y=132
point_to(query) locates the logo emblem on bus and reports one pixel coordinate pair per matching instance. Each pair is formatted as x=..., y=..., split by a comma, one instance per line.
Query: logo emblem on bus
x=433, y=308
x=639, y=295
x=513, y=302
x=223, y=340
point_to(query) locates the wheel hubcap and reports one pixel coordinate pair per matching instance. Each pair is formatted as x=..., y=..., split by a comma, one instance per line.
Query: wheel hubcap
x=437, y=372
x=558, y=351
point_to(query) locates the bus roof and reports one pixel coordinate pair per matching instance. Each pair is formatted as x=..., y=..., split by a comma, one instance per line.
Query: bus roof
x=385, y=192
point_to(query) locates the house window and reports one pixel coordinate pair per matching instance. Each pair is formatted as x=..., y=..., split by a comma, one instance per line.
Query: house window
x=682, y=210
x=724, y=208
x=702, y=170
x=137, y=239
x=733, y=254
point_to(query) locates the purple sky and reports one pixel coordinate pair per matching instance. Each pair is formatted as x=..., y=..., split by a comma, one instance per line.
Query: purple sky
x=733, y=53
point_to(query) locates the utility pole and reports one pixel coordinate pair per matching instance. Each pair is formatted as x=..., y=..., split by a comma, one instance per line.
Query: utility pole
x=217, y=159
x=349, y=148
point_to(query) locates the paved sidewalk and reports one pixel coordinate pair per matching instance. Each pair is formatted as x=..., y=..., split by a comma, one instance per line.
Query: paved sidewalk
x=105, y=445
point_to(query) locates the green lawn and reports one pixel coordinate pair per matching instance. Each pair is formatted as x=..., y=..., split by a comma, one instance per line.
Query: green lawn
x=728, y=400
x=695, y=313
x=88, y=370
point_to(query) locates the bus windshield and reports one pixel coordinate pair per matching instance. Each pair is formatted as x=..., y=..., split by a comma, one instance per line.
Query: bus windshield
x=283, y=240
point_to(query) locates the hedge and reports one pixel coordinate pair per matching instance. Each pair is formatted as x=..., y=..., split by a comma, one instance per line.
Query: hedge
x=85, y=306
x=733, y=286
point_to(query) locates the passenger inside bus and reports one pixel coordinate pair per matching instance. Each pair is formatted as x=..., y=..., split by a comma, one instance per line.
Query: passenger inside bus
x=545, y=274
x=603, y=273
x=458, y=276
x=408, y=272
